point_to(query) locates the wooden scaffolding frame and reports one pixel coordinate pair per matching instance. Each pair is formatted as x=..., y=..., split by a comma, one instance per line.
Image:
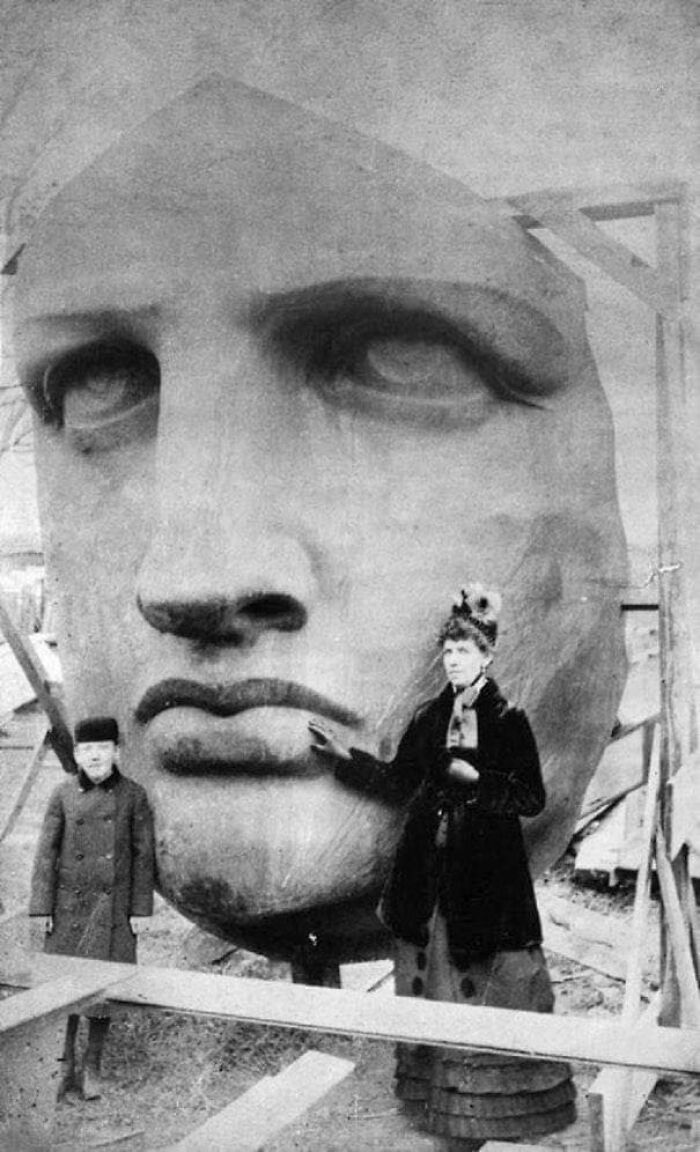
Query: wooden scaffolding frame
x=634, y=1050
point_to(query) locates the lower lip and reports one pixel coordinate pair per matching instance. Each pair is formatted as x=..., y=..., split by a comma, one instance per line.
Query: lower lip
x=259, y=741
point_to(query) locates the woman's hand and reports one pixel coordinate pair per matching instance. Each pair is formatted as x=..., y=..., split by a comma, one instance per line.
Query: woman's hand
x=326, y=744
x=462, y=771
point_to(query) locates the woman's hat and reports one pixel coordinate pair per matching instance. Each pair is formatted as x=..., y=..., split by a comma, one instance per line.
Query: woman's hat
x=479, y=608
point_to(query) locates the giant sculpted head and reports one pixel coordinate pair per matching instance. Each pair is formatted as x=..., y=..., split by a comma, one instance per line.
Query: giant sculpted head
x=292, y=389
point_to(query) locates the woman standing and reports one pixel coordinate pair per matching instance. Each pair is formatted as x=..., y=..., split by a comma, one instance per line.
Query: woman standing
x=459, y=898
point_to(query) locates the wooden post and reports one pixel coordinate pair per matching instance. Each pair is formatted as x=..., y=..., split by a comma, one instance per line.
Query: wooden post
x=59, y=732
x=25, y=788
x=618, y=1095
x=677, y=718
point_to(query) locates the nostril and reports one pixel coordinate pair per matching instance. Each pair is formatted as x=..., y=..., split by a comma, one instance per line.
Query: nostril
x=220, y=620
x=273, y=610
x=202, y=619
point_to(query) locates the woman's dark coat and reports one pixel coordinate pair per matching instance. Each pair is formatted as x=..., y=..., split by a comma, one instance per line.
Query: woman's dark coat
x=481, y=878
x=94, y=867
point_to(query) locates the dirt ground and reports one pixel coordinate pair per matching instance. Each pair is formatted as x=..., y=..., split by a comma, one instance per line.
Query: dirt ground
x=166, y=1073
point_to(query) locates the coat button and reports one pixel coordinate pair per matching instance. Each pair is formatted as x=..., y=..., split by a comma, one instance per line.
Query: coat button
x=79, y=856
x=108, y=891
x=80, y=820
x=108, y=856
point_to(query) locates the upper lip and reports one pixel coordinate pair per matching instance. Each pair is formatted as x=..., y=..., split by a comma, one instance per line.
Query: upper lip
x=239, y=696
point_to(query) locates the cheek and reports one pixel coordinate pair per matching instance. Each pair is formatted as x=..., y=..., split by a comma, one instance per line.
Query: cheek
x=95, y=518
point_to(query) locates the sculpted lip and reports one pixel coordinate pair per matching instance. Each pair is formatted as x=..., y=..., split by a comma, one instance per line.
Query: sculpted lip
x=231, y=699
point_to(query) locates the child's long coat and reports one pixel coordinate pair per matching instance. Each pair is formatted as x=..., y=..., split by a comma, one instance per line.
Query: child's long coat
x=94, y=867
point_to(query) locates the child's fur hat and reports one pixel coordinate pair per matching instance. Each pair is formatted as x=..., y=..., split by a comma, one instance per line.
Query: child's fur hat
x=95, y=729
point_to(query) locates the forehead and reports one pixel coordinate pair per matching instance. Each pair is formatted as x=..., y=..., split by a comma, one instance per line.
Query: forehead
x=96, y=745
x=229, y=182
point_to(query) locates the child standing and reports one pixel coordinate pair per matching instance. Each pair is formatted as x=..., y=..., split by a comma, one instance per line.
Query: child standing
x=93, y=877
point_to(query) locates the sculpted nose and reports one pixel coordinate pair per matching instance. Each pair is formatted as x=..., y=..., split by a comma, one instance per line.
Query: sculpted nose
x=201, y=583
x=218, y=619
x=231, y=556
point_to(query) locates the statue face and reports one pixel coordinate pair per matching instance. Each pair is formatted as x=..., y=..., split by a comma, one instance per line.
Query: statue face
x=292, y=391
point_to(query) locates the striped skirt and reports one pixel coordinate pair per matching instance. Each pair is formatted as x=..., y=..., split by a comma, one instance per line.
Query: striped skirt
x=474, y=1096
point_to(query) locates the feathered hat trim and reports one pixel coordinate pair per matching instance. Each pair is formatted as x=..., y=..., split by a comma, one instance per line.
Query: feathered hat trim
x=480, y=608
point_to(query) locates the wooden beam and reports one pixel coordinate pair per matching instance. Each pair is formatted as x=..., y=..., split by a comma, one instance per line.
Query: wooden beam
x=608, y=1115
x=396, y=1018
x=30, y=774
x=501, y=1146
x=70, y=991
x=679, y=937
x=588, y=953
x=633, y=986
x=287, y=1096
x=59, y=733
x=614, y=202
x=557, y=212
x=261, y=1113
x=677, y=703
x=620, y=1097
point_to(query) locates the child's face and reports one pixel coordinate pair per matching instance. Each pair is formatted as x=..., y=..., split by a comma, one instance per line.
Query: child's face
x=96, y=758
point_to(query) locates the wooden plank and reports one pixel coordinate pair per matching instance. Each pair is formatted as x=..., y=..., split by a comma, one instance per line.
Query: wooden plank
x=25, y=787
x=633, y=986
x=607, y=202
x=501, y=1146
x=556, y=212
x=304, y=1079
x=600, y=850
x=679, y=936
x=15, y=689
x=261, y=1113
x=393, y=1018
x=70, y=991
x=367, y=975
x=60, y=735
x=678, y=721
x=622, y=769
x=577, y=946
x=614, y=1112
x=609, y=1119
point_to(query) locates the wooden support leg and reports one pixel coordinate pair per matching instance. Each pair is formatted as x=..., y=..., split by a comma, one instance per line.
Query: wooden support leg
x=679, y=938
x=617, y=1096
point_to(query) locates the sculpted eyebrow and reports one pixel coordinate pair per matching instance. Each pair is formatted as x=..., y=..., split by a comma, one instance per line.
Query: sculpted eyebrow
x=316, y=327
x=101, y=319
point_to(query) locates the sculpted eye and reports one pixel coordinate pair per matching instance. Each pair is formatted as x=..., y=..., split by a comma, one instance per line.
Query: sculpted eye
x=100, y=385
x=423, y=370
